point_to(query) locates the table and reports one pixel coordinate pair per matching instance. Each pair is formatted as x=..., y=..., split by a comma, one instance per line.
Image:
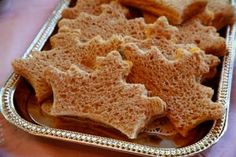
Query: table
x=20, y=21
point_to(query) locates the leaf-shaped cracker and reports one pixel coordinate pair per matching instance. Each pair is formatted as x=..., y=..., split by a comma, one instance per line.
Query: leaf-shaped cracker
x=175, y=11
x=88, y=6
x=73, y=52
x=177, y=83
x=103, y=95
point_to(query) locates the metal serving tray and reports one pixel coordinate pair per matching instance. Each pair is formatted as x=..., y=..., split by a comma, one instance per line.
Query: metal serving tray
x=11, y=99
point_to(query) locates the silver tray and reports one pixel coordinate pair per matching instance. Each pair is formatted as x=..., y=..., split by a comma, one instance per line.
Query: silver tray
x=9, y=105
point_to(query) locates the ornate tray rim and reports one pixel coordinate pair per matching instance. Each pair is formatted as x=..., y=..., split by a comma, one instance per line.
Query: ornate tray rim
x=216, y=132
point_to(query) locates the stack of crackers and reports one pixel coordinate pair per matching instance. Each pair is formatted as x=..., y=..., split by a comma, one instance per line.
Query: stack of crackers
x=133, y=65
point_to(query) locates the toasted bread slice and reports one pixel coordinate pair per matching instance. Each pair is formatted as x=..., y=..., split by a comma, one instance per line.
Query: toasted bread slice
x=224, y=13
x=165, y=40
x=196, y=32
x=218, y=13
x=88, y=6
x=103, y=95
x=191, y=32
x=105, y=25
x=205, y=37
x=176, y=11
x=93, y=7
x=110, y=22
x=177, y=83
x=74, y=52
x=173, y=51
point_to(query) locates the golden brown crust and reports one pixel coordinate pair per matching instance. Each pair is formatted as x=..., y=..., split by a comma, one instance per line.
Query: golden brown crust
x=175, y=11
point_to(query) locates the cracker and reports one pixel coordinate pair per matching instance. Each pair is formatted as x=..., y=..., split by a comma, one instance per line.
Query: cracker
x=177, y=83
x=175, y=11
x=73, y=52
x=103, y=95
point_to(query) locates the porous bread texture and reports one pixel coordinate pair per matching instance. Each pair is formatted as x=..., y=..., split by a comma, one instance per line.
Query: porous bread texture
x=104, y=25
x=103, y=95
x=213, y=63
x=162, y=35
x=175, y=11
x=173, y=51
x=218, y=13
x=177, y=83
x=88, y=6
x=195, y=31
x=190, y=32
x=93, y=7
x=169, y=48
x=160, y=29
x=205, y=37
x=74, y=52
x=109, y=22
x=66, y=39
